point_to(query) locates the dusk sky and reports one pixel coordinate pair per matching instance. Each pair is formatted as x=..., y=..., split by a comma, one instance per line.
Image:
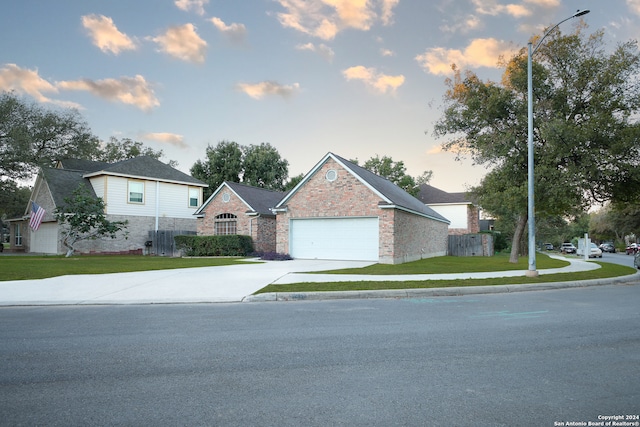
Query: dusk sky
x=354, y=77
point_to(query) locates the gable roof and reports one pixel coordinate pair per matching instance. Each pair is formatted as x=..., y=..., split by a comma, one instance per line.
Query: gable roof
x=82, y=165
x=62, y=183
x=430, y=195
x=257, y=200
x=392, y=196
x=145, y=167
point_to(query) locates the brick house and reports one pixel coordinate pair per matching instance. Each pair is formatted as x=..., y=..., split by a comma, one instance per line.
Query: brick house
x=241, y=209
x=343, y=211
x=457, y=207
x=149, y=194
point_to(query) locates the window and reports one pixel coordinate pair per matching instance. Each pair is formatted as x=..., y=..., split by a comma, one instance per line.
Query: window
x=136, y=192
x=225, y=224
x=194, y=197
x=18, y=235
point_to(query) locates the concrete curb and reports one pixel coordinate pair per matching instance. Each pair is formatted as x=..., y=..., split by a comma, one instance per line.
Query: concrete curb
x=437, y=292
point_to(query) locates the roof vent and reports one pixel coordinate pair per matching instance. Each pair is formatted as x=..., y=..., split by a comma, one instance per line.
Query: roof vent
x=226, y=197
x=331, y=175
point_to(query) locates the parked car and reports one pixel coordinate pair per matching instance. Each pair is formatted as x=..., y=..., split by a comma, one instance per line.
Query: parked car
x=632, y=249
x=568, y=248
x=547, y=246
x=608, y=247
x=636, y=261
x=595, y=251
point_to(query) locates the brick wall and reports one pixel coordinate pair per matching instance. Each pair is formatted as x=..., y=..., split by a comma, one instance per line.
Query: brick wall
x=262, y=229
x=402, y=236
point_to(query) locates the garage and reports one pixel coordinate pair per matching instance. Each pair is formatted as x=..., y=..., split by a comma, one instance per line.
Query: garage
x=45, y=240
x=353, y=238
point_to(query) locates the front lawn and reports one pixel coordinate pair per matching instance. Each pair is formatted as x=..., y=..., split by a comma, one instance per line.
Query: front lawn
x=24, y=267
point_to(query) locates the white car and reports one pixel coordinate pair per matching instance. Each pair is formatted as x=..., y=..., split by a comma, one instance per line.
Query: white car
x=595, y=252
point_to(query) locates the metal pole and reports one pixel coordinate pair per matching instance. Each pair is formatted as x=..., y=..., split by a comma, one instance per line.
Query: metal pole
x=532, y=272
x=530, y=192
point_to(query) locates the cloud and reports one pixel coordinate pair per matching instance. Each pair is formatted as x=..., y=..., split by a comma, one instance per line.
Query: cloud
x=24, y=81
x=323, y=50
x=326, y=18
x=479, y=53
x=234, y=32
x=262, y=89
x=463, y=26
x=182, y=42
x=166, y=138
x=491, y=7
x=196, y=5
x=386, y=52
x=380, y=82
x=105, y=34
x=127, y=90
x=634, y=6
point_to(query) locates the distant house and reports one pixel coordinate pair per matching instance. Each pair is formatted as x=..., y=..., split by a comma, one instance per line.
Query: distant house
x=150, y=194
x=457, y=207
x=241, y=209
x=341, y=211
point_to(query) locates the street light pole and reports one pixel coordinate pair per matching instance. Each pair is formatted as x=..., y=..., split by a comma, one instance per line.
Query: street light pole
x=532, y=272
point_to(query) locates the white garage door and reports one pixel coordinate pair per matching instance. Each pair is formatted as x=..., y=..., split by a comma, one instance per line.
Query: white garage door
x=45, y=240
x=334, y=238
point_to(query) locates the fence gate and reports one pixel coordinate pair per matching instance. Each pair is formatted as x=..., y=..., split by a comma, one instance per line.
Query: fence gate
x=471, y=245
x=162, y=242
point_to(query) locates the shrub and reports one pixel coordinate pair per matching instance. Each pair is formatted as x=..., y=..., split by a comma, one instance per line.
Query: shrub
x=274, y=256
x=229, y=245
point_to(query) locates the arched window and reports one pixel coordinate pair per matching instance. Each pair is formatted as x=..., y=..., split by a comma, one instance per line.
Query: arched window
x=225, y=224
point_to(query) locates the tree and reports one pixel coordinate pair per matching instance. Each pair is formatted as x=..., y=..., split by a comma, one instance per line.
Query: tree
x=256, y=165
x=13, y=199
x=585, y=134
x=82, y=218
x=293, y=182
x=264, y=168
x=223, y=163
x=396, y=172
x=32, y=136
x=117, y=150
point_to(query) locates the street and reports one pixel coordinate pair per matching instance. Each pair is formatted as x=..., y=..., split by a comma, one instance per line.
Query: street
x=521, y=359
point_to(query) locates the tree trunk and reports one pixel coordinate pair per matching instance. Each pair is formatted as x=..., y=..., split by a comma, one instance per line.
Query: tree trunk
x=517, y=238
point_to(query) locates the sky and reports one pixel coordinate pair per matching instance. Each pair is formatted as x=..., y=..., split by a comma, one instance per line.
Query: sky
x=358, y=78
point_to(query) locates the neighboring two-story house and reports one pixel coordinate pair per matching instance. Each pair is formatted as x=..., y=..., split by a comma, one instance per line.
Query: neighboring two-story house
x=456, y=207
x=149, y=194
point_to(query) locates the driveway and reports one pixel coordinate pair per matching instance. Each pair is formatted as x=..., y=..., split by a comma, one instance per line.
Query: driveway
x=232, y=283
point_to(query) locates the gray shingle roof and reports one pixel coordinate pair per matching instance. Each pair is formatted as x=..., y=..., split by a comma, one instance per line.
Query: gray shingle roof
x=432, y=195
x=147, y=167
x=258, y=200
x=63, y=182
x=396, y=195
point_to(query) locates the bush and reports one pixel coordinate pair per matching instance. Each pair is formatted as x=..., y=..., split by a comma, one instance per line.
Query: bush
x=229, y=245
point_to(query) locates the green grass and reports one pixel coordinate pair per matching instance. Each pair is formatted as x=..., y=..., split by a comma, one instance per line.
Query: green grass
x=607, y=270
x=39, y=267
x=452, y=264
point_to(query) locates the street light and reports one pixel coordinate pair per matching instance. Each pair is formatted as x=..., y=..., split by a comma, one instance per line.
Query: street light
x=532, y=272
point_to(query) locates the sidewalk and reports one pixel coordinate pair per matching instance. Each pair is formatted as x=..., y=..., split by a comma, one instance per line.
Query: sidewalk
x=237, y=283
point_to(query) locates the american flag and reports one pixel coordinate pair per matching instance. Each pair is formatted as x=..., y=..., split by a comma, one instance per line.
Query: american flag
x=37, y=213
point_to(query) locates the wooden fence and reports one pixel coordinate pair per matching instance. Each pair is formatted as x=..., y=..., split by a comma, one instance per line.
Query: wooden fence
x=162, y=242
x=471, y=245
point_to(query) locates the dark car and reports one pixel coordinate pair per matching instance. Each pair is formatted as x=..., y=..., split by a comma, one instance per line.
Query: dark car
x=608, y=247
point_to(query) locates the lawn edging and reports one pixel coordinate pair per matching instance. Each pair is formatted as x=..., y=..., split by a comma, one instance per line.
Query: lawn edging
x=437, y=292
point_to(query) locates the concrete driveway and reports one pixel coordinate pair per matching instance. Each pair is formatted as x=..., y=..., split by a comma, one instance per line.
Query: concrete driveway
x=189, y=285
x=232, y=283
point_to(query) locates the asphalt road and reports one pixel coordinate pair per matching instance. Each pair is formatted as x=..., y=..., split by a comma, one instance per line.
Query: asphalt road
x=522, y=359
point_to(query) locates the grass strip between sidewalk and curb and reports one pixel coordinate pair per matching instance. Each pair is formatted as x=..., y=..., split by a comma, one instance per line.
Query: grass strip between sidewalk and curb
x=606, y=271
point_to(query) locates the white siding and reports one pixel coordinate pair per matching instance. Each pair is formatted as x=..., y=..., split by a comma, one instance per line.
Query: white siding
x=457, y=214
x=172, y=199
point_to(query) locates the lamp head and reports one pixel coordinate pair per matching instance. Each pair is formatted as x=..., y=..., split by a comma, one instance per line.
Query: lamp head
x=580, y=13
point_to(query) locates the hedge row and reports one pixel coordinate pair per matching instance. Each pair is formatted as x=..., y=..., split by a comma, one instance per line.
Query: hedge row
x=230, y=245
